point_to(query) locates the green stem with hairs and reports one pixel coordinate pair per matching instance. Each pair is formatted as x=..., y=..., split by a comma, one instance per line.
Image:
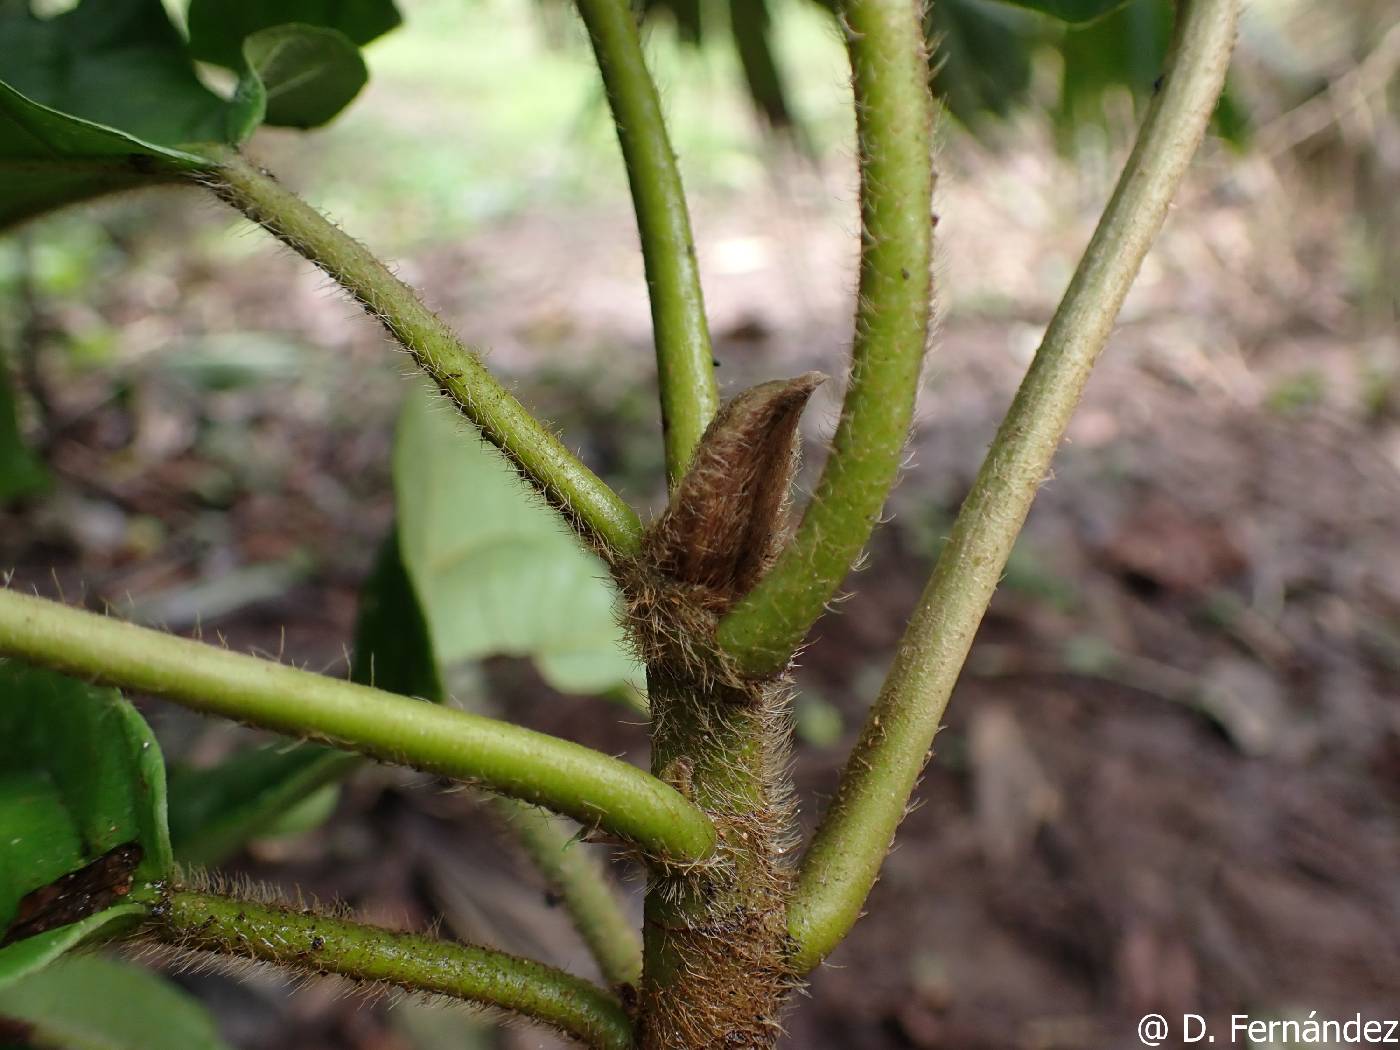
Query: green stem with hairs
x=845, y=857
x=894, y=117
x=311, y=943
x=590, y=506
x=582, y=881
x=593, y=788
x=684, y=359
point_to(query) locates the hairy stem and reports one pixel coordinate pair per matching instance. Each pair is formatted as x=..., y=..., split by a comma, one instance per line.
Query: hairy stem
x=893, y=125
x=595, y=789
x=582, y=882
x=715, y=938
x=684, y=360
x=715, y=941
x=591, y=507
x=845, y=857
x=312, y=943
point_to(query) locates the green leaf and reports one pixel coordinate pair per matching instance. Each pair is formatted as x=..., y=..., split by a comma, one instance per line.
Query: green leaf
x=82, y=812
x=219, y=27
x=1124, y=50
x=299, y=76
x=982, y=56
x=1071, y=10
x=96, y=100
x=393, y=646
x=92, y=1003
x=32, y=954
x=496, y=571
x=214, y=811
x=104, y=97
x=49, y=159
x=306, y=814
x=20, y=472
x=750, y=29
x=117, y=63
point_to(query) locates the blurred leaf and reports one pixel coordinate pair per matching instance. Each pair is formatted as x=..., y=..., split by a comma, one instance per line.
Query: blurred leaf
x=91, y=1003
x=20, y=472
x=82, y=813
x=433, y=1026
x=299, y=76
x=981, y=57
x=817, y=721
x=690, y=24
x=222, y=594
x=1125, y=50
x=393, y=646
x=496, y=571
x=982, y=53
x=219, y=27
x=305, y=815
x=214, y=811
x=233, y=360
x=1071, y=10
x=750, y=26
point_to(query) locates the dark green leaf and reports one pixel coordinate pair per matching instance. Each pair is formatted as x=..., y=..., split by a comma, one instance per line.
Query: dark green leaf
x=1125, y=50
x=981, y=57
x=48, y=159
x=118, y=63
x=96, y=100
x=300, y=76
x=92, y=1003
x=216, y=810
x=104, y=97
x=32, y=954
x=393, y=647
x=751, y=28
x=1071, y=10
x=219, y=27
x=20, y=473
x=82, y=813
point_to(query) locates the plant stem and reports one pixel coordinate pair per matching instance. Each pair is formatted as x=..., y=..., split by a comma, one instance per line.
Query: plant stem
x=591, y=507
x=595, y=789
x=313, y=943
x=845, y=857
x=894, y=116
x=581, y=880
x=714, y=937
x=684, y=360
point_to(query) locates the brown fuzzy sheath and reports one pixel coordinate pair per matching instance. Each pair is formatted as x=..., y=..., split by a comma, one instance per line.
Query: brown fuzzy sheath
x=716, y=972
x=726, y=519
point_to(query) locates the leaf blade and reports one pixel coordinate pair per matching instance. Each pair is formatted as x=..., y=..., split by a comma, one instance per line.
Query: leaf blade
x=92, y=1003
x=218, y=28
x=495, y=571
x=300, y=76
x=84, y=813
